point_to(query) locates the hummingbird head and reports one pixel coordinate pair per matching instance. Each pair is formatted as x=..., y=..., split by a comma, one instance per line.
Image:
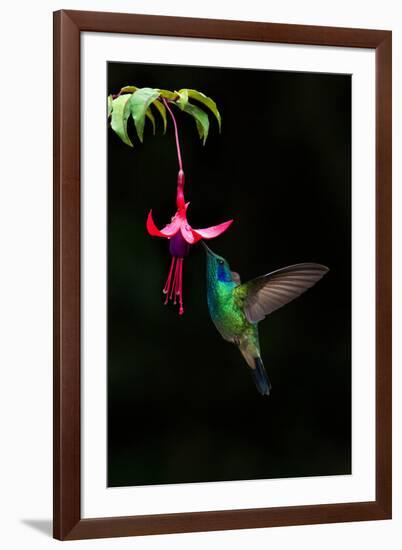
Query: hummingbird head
x=218, y=268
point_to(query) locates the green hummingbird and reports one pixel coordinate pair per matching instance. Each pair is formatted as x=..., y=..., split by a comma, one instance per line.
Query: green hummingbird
x=236, y=309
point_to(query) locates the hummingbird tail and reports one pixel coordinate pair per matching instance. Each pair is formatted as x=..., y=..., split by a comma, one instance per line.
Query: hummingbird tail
x=251, y=353
x=260, y=377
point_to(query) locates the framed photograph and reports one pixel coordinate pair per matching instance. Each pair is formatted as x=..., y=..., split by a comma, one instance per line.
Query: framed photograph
x=222, y=275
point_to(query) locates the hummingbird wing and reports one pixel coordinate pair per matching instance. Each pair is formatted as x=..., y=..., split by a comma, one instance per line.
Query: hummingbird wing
x=263, y=295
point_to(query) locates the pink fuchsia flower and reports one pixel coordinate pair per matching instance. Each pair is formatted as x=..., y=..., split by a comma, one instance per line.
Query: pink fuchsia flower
x=181, y=236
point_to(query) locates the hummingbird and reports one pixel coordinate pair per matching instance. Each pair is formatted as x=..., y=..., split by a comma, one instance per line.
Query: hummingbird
x=236, y=308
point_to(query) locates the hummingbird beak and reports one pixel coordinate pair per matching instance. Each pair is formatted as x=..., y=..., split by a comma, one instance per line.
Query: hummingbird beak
x=207, y=249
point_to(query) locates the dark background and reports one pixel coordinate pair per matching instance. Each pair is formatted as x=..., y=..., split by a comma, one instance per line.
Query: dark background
x=182, y=406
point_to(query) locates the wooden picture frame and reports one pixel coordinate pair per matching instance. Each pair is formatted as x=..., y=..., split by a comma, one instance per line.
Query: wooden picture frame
x=68, y=523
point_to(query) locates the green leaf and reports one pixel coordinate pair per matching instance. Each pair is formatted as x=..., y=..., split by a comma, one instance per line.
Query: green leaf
x=151, y=117
x=207, y=101
x=128, y=89
x=138, y=105
x=109, y=105
x=201, y=120
x=200, y=130
x=200, y=116
x=120, y=114
x=162, y=110
x=168, y=94
x=183, y=99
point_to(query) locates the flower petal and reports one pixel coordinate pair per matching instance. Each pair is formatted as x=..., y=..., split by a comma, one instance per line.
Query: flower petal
x=188, y=234
x=213, y=231
x=151, y=227
x=168, y=231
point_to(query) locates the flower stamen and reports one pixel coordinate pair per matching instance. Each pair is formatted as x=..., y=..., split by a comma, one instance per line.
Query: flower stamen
x=173, y=288
x=166, y=288
x=180, y=289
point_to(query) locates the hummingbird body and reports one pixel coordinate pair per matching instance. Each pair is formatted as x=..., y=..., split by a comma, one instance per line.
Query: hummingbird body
x=236, y=308
x=226, y=314
x=228, y=318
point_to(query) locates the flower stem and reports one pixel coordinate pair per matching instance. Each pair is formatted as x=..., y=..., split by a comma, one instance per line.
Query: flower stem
x=176, y=134
x=180, y=200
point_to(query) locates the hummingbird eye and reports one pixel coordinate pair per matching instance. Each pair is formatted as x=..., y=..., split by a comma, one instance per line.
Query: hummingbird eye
x=220, y=262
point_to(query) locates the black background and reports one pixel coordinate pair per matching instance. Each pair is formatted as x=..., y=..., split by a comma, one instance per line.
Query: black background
x=182, y=406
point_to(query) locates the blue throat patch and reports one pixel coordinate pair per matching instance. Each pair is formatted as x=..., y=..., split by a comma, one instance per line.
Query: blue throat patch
x=224, y=275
